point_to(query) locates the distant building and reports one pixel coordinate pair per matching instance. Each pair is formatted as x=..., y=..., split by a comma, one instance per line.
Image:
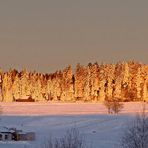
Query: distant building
x=25, y=99
x=12, y=134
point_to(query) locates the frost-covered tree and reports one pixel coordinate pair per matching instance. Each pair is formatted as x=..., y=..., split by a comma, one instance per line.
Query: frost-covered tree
x=145, y=92
x=118, y=81
x=102, y=82
x=126, y=81
x=67, y=86
x=94, y=82
x=138, y=83
x=110, y=81
x=80, y=81
x=6, y=87
x=1, y=95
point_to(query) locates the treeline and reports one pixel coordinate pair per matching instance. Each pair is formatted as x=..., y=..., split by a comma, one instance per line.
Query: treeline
x=125, y=81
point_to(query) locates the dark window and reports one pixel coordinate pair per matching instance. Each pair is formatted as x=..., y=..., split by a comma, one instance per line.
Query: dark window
x=6, y=137
x=1, y=137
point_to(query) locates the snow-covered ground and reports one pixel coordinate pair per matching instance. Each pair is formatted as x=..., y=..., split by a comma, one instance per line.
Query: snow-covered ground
x=53, y=119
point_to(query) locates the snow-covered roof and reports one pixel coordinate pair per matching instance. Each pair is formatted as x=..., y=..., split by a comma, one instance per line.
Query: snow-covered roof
x=4, y=129
x=22, y=133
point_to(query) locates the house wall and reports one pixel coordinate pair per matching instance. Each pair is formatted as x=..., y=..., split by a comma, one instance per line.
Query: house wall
x=26, y=137
x=5, y=136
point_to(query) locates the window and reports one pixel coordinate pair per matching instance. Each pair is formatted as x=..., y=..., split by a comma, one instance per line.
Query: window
x=6, y=137
x=1, y=136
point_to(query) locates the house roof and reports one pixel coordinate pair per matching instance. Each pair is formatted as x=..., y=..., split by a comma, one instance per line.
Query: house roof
x=11, y=130
x=4, y=129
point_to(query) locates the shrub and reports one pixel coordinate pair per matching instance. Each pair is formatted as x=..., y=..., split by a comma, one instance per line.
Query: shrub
x=72, y=139
x=136, y=135
x=113, y=106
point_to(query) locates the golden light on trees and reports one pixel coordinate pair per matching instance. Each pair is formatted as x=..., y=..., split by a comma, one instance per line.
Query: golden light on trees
x=127, y=81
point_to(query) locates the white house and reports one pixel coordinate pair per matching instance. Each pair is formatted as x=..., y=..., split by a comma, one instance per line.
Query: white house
x=5, y=134
x=12, y=134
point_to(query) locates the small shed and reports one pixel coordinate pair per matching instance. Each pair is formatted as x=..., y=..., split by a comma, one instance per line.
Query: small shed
x=22, y=136
x=25, y=99
x=19, y=135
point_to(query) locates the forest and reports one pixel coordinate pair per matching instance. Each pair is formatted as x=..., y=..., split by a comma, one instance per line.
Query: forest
x=125, y=81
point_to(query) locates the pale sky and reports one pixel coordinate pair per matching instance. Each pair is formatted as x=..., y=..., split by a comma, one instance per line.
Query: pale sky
x=46, y=35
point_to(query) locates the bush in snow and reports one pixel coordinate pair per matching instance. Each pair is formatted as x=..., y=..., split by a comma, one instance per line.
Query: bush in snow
x=72, y=139
x=136, y=135
x=113, y=106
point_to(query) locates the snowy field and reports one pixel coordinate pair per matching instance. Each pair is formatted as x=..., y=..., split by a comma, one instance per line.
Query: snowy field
x=53, y=119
